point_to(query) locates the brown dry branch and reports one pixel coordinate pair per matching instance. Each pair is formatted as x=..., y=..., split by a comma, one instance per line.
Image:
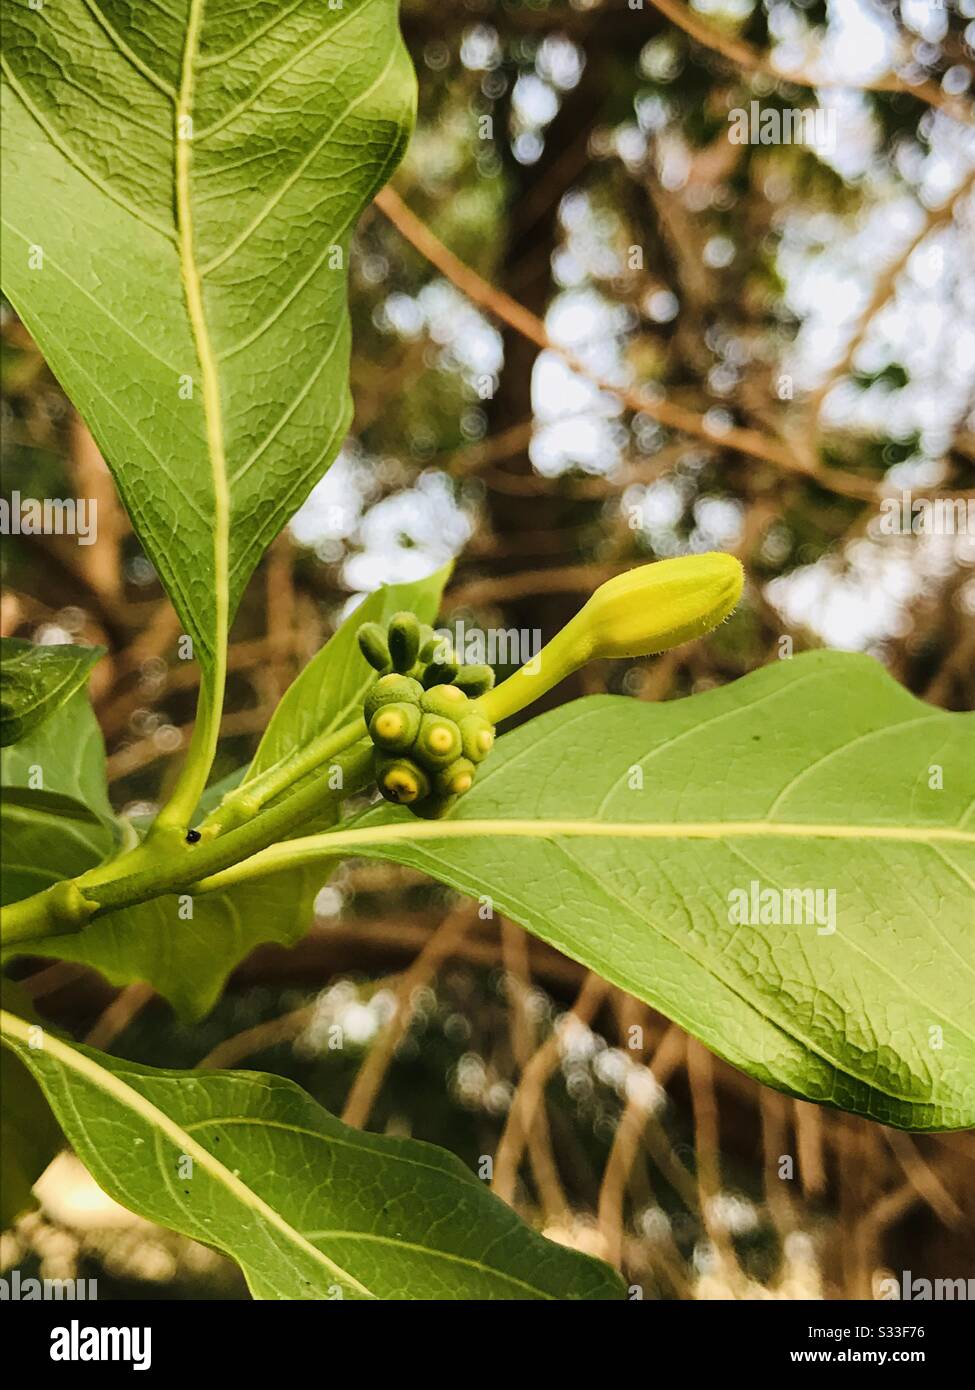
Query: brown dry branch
x=500, y=305
x=884, y=291
x=530, y=1092
x=124, y=1008
x=369, y=1079
x=514, y=952
x=743, y=55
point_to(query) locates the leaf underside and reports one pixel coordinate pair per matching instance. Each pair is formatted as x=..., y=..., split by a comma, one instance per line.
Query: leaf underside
x=820, y=774
x=214, y=159
x=309, y=1208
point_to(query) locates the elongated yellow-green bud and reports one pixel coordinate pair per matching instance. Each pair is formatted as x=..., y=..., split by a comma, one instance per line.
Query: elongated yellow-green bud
x=643, y=611
x=403, y=638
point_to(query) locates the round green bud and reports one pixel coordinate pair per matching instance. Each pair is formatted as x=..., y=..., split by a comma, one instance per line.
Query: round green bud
x=401, y=781
x=394, y=726
x=403, y=637
x=391, y=689
x=439, y=673
x=474, y=680
x=438, y=742
x=433, y=807
x=446, y=700
x=456, y=779
x=477, y=737
x=431, y=645
x=372, y=644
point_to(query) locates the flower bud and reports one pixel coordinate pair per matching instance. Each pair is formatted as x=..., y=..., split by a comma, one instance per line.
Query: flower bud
x=372, y=644
x=440, y=673
x=474, y=680
x=403, y=637
x=643, y=611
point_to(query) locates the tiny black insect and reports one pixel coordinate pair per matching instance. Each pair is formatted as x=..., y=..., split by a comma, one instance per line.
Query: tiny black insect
x=192, y=836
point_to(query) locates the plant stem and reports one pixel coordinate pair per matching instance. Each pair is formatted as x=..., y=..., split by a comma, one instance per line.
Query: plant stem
x=245, y=801
x=146, y=873
x=176, y=814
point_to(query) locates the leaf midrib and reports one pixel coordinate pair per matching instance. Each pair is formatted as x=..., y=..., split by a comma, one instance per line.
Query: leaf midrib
x=212, y=408
x=635, y=830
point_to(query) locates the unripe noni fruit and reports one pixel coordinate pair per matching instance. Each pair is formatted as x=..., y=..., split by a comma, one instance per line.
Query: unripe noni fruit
x=477, y=737
x=394, y=726
x=456, y=779
x=401, y=781
x=446, y=700
x=390, y=689
x=432, y=807
x=438, y=742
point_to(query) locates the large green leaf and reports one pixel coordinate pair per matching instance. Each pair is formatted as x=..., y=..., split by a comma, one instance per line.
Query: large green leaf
x=181, y=184
x=29, y=1134
x=620, y=831
x=55, y=818
x=35, y=681
x=310, y=1208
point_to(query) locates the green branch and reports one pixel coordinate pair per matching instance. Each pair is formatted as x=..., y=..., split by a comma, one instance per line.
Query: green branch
x=146, y=872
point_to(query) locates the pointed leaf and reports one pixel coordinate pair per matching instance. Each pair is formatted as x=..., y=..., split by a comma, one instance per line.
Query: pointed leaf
x=35, y=681
x=630, y=836
x=214, y=159
x=310, y=1208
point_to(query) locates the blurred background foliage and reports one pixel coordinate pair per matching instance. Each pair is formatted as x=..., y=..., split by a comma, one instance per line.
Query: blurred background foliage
x=809, y=313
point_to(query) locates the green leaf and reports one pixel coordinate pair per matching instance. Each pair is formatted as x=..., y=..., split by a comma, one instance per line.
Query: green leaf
x=330, y=690
x=36, y=681
x=55, y=817
x=622, y=832
x=29, y=1134
x=309, y=1208
x=187, y=947
x=214, y=159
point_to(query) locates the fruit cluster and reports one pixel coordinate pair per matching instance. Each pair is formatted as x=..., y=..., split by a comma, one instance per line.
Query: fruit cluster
x=428, y=734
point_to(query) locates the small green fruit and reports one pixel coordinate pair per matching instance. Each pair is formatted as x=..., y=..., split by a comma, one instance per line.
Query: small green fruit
x=394, y=726
x=391, y=689
x=438, y=742
x=456, y=779
x=477, y=737
x=446, y=700
x=401, y=781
